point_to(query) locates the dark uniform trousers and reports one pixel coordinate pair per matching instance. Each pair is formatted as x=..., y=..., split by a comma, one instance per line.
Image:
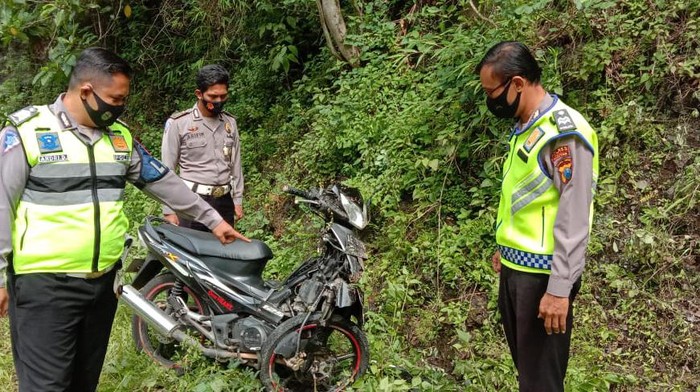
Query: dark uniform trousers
x=60, y=328
x=540, y=359
x=223, y=205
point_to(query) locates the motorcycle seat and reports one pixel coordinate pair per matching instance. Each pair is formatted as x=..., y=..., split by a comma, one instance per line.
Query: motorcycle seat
x=206, y=244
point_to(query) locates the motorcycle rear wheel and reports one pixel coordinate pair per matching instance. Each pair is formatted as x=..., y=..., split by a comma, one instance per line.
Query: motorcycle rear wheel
x=330, y=357
x=164, y=351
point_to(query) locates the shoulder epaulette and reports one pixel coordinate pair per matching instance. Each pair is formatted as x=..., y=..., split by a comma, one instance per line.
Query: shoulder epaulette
x=563, y=120
x=125, y=125
x=21, y=116
x=180, y=114
x=228, y=114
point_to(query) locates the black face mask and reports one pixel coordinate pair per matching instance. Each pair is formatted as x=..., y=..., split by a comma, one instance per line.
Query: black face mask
x=106, y=114
x=499, y=106
x=215, y=107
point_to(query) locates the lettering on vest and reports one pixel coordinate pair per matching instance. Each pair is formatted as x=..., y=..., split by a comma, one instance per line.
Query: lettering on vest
x=49, y=142
x=121, y=157
x=53, y=158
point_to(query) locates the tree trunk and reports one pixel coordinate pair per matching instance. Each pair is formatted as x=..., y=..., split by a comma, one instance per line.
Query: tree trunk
x=335, y=31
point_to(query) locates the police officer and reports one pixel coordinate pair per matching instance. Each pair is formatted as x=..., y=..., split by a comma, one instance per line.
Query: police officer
x=203, y=143
x=544, y=215
x=64, y=167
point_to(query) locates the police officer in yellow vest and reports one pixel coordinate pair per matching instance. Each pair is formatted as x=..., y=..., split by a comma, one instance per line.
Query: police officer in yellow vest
x=544, y=215
x=203, y=145
x=63, y=170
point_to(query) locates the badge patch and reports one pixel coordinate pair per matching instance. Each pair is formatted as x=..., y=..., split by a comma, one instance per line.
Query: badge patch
x=565, y=170
x=121, y=157
x=53, y=158
x=563, y=121
x=10, y=141
x=193, y=129
x=561, y=159
x=49, y=142
x=228, y=128
x=534, y=137
x=119, y=143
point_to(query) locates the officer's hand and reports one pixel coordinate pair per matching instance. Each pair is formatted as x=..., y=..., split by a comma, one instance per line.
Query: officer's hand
x=4, y=301
x=172, y=218
x=226, y=234
x=553, y=310
x=238, y=209
x=496, y=261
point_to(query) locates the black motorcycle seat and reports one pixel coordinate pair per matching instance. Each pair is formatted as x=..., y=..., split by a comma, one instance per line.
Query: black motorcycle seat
x=206, y=244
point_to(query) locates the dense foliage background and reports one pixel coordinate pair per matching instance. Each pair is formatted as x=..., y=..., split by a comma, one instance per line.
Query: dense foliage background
x=408, y=125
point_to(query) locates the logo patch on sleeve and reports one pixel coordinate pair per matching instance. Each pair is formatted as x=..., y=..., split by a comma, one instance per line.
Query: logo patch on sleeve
x=49, y=142
x=561, y=159
x=534, y=137
x=10, y=140
x=563, y=121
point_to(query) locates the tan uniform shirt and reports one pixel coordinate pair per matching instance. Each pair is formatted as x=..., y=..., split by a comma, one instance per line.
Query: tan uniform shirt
x=14, y=172
x=571, y=225
x=204, y=150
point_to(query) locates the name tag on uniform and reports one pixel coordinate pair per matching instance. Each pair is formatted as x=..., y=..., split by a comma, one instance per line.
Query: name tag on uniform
x=119, y=143
x=121, y=157
x=53, y=158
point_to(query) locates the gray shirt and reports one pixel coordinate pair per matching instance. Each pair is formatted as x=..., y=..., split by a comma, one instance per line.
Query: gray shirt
x=14, y=172
x=205, y=150
x=571, y=225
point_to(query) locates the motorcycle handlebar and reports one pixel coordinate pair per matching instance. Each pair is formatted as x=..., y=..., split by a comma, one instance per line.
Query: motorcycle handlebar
x=297, y=192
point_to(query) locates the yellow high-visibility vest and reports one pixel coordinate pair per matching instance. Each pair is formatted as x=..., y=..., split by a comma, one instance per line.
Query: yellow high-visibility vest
x=529, y=200
x=70, y=218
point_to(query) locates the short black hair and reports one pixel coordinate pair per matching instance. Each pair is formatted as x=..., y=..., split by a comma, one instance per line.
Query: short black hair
x=210, y=75
x=511, y=58
x=95, y=63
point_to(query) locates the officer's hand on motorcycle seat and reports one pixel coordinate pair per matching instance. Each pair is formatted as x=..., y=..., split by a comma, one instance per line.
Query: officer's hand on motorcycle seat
x=227, y=234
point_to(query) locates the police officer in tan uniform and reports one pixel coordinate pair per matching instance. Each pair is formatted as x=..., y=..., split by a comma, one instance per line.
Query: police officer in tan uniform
x=202, y=143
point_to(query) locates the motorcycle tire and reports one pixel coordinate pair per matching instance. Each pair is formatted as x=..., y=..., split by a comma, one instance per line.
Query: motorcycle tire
x=162, y=350
x=318, y=366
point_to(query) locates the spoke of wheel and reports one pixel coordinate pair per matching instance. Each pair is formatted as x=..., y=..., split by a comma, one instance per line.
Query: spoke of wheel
x=344, y=357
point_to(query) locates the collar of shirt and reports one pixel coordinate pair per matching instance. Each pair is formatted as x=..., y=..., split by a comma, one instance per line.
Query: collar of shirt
x=211, y=123
x=68, y=123
x=545, y=105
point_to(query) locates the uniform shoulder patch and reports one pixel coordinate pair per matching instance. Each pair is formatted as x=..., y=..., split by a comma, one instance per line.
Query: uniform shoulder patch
x=562, y=160
x=563, y=120
x=122, y=123
x=10, y=139
x=21, y=116
x=180, y=114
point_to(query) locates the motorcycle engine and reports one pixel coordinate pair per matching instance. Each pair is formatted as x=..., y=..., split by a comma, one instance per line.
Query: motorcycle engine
x=251, y=332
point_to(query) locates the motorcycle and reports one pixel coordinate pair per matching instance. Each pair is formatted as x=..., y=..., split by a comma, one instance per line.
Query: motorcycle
x=193, y=293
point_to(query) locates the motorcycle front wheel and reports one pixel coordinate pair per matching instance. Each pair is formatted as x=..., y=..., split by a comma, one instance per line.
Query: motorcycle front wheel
x=163, y=350
x=303, y=355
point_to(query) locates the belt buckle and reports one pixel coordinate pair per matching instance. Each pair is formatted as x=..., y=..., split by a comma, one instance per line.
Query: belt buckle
x=218, y=191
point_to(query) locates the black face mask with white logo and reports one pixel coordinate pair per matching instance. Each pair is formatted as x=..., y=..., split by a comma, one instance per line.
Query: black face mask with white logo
x=499, y=106
x=106, y=114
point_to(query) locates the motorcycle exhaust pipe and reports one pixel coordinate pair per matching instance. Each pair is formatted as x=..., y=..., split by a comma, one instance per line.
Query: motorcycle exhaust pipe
x=167, y=326
x=150, y=313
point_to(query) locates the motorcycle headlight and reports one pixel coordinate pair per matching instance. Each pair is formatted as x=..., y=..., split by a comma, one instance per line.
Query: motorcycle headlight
x=356, y=215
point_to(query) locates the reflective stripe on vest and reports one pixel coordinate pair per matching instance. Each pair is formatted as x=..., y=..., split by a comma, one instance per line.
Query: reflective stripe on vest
x=70, y=216
x=529, y=201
